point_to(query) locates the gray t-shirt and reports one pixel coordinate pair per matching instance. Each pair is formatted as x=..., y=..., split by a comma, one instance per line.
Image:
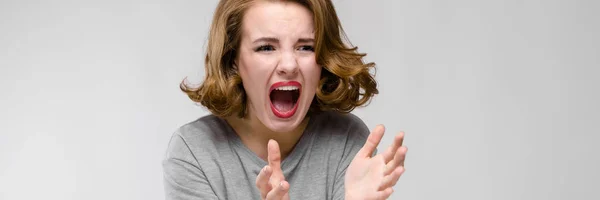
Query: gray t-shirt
x=207, y=160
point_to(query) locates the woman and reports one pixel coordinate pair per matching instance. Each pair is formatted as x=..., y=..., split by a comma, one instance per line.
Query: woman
x=280, y=84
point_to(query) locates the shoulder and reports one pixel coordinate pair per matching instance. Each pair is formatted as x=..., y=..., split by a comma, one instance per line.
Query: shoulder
x=344, y=130
x=202, y=135
x=345, y=123
x=208, y=127
x=340, y=136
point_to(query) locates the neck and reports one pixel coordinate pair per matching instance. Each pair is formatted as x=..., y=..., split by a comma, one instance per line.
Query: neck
x=256, y=135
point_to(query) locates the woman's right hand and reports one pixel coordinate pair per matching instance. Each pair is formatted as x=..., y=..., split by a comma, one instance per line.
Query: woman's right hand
x=270, y=181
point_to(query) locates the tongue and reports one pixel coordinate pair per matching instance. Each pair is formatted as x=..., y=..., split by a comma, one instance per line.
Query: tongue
x=282, y=100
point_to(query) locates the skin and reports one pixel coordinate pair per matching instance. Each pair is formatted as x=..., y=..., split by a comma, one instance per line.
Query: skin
x=277, y=45
x=372, y=177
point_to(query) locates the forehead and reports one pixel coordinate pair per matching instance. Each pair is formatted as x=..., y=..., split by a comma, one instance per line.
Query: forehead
x=277, y=19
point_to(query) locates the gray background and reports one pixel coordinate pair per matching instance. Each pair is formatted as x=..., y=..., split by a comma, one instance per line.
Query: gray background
x=499, y=99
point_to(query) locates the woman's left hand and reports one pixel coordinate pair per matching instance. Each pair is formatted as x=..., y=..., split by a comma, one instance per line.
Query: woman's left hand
x=373, y=177
x=270, y=181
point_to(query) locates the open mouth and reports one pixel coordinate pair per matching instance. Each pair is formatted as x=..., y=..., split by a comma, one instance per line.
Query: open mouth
x=284, y=98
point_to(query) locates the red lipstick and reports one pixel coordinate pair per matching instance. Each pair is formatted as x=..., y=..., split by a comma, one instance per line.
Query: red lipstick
x=293, y=85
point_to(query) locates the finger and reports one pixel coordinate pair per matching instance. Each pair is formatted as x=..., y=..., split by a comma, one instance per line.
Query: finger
x=385, y=194
x=392, y=179
x=372, y=141
x=390, y=151
x=279, y=192
x=404, y=150
x=274, y=156
x=399, y=157
x=262, y=181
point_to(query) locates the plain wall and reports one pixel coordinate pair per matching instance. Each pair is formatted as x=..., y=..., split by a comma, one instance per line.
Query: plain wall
x=499, y=99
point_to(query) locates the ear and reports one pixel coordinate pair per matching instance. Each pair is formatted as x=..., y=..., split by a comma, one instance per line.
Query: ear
x=234, y=63
x=235, y=66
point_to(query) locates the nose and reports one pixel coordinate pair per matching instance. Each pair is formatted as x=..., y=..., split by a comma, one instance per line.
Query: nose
x=288, y=64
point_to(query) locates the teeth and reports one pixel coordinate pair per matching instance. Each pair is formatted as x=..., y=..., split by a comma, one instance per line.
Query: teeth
x=287, y=88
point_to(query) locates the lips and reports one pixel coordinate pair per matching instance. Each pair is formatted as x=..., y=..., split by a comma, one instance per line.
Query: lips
x=284, y=98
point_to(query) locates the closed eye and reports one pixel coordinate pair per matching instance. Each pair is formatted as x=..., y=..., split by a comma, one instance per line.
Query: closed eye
x=265, y=48
x=307, y=48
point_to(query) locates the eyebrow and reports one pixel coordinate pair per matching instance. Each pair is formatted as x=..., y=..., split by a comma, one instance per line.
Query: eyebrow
x=305, y=40
x=275, y=40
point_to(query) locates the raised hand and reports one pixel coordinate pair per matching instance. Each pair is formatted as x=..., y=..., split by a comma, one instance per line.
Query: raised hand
x=270, y=181
x=373, y=177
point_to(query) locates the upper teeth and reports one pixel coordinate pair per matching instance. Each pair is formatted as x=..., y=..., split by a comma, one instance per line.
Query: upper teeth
x=287, y=88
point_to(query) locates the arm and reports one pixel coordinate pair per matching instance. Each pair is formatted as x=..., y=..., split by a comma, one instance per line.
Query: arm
x=183, y=177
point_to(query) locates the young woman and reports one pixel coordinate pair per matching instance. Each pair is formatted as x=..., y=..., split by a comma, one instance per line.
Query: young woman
x=280, y=83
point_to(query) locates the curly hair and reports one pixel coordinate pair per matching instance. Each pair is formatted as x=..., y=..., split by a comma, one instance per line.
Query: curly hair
x=345, y=84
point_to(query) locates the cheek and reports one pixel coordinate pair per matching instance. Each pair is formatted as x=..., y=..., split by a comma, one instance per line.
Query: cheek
x=312, y=74
x=254, y=76
x=315, y=75
x=250, y=70
x=257, y=68
x=311, y=71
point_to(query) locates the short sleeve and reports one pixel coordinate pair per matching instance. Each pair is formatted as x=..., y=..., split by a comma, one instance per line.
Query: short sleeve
x=183, y=177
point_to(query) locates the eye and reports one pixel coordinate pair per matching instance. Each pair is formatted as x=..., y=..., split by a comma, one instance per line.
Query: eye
x=307, y=48
x=265, y=48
